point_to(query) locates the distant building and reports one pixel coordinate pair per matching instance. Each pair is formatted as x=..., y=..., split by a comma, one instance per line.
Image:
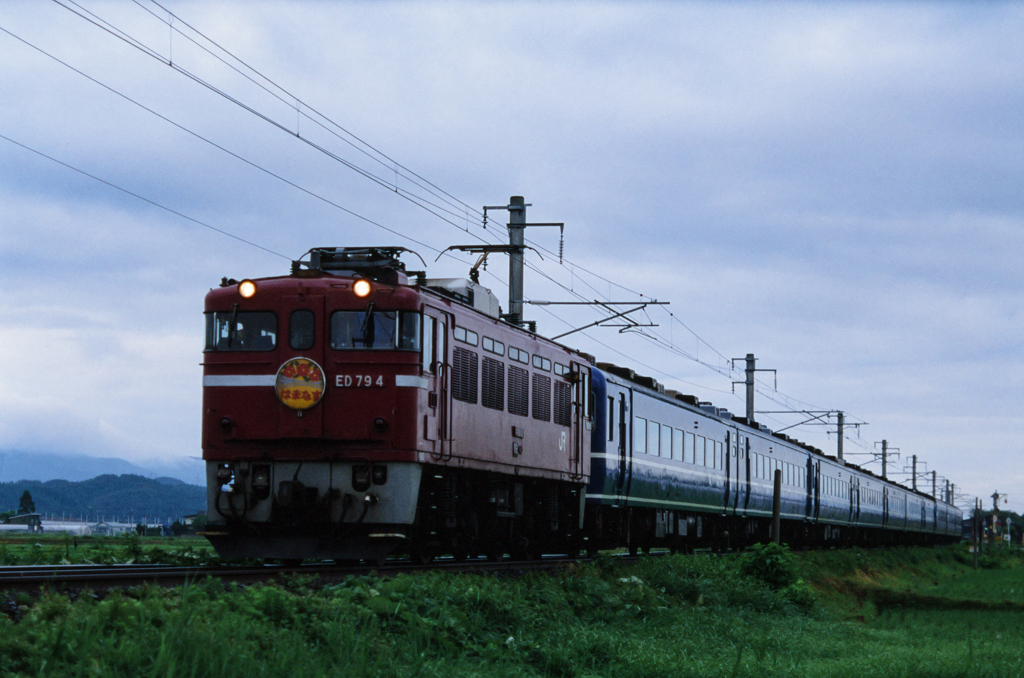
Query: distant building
x=32, y=520
x=105, y=528
x=188, y=520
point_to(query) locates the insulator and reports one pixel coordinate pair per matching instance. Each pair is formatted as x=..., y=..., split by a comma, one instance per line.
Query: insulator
x=561, y=248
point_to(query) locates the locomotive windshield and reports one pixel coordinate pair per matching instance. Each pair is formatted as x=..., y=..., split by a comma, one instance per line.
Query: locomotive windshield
x=241, y=331
x=371, y=329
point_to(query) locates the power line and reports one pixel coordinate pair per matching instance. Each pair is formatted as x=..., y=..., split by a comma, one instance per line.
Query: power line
x=222, y=148
x=651, y=336
x=110, y=28
x=143, y=199
x=296, y=98
x=421, y=202
x=152, y=53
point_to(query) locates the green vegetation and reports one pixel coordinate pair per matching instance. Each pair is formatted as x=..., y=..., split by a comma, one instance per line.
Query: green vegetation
x=665, y=616
x=25, y=504
x=105, y=495
x=62, y=549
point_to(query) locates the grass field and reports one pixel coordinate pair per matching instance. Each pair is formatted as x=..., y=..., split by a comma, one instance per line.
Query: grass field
x=850, y=613
x=56, y=549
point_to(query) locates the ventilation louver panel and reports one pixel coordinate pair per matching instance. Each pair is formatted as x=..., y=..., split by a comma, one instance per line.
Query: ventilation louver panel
x=518, y=391
x=541, y=397
x=464, y=375
x=493, y=395
x=563, y=403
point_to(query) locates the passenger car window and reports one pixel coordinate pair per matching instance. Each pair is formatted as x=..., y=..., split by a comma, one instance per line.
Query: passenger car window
x=639, y=435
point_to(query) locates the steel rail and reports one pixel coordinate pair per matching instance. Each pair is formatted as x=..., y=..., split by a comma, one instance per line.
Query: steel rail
x=32, y=577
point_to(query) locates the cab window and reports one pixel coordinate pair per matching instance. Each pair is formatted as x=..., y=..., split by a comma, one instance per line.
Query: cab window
x=241, y=331
x=371, y=329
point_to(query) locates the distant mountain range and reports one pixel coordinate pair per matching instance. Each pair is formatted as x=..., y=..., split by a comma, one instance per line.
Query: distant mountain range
x=19, y=465
x=109, y=497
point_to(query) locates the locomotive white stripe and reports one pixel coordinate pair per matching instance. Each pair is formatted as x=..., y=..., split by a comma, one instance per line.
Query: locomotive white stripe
x=409, y=380
x=239, y=380
x=270, y=380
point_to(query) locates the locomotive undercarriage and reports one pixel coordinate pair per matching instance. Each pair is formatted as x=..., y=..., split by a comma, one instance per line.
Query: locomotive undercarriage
x=358, y=510
x=468, y=514
x=351, y=510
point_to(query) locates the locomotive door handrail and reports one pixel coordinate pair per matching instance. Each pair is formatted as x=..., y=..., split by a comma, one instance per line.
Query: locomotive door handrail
x=581, y=401
x=443, y=376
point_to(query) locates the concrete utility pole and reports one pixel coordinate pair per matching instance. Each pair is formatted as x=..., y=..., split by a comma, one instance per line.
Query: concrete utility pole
x=913, y=472
x=839, y=440
x=935, y=484
x=749, y=382
x=750, y=386
x=885, y=457
x=516, y=238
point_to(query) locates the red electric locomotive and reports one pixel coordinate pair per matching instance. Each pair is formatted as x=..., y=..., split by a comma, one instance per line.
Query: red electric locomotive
x=353, y=408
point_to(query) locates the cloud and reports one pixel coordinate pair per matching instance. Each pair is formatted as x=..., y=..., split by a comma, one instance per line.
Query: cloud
x=832, y=187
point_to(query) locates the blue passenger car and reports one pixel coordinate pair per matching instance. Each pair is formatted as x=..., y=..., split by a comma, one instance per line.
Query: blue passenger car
x=669, y=471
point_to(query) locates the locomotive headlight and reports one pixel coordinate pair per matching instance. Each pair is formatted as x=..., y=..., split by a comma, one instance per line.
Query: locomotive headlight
x=362, y=288
x=247, y=289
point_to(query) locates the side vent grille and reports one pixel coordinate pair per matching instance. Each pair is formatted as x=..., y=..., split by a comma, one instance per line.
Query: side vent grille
x=518, y=391
x=541, y=397
x=464, y=375
x=563, y=404
x=493, y=395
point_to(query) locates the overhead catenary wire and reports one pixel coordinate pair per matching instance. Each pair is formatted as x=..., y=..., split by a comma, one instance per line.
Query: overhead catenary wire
x=648, y=335
x=362, y=142
x=106, y=26
x=122, y=35
x=224, y=149
x=110, y=28
x=143, y=198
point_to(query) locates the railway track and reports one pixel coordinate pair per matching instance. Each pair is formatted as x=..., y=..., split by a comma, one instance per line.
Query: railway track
x=33, y=577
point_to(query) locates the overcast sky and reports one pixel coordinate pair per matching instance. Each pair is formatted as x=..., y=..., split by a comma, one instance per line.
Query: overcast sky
x=835, y=188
